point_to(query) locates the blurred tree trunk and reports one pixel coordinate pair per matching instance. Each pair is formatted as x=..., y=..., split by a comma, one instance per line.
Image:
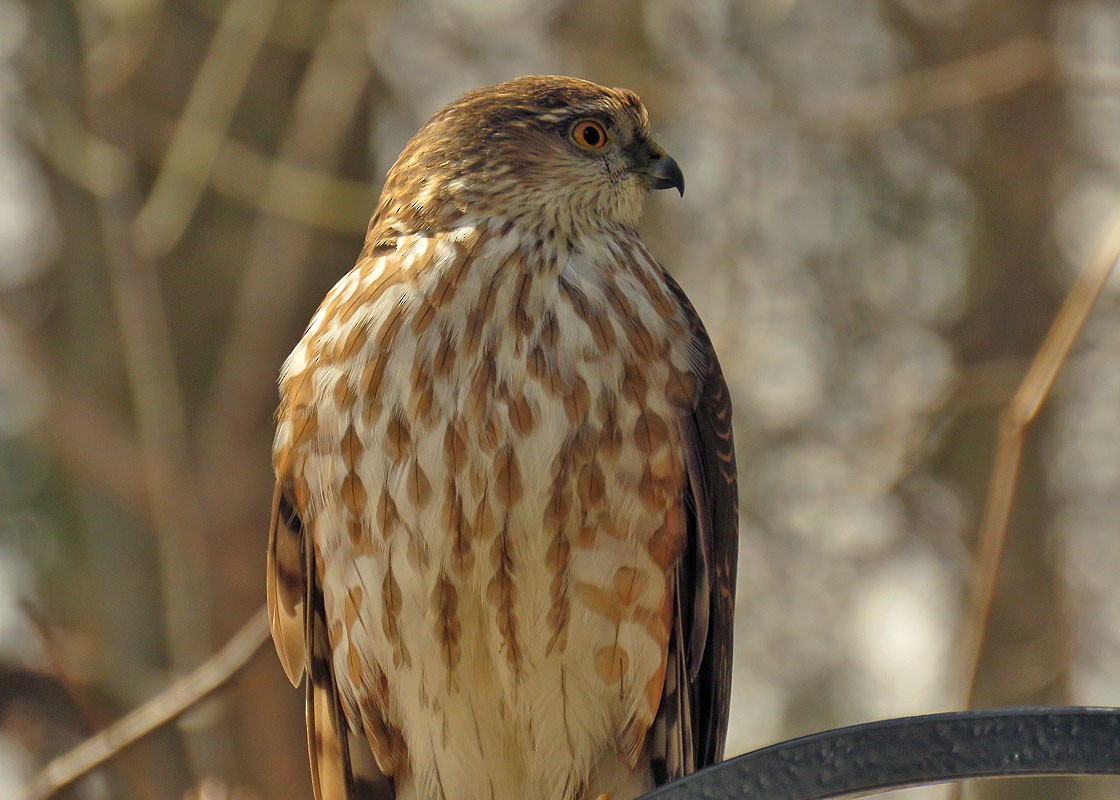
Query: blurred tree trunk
x=1018, y=140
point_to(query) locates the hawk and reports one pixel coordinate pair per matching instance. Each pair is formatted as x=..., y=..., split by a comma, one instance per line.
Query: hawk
x=504, y=530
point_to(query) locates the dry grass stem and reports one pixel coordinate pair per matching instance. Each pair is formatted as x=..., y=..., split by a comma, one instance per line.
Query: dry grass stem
x=1014, y=420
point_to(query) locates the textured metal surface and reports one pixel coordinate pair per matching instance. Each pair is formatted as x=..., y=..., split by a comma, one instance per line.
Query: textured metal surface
x=915, y=750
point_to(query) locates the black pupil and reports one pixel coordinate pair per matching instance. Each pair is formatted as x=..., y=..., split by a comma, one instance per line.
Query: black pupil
x=591, y=136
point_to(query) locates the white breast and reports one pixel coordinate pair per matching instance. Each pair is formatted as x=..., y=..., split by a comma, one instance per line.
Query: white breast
x=494, y=494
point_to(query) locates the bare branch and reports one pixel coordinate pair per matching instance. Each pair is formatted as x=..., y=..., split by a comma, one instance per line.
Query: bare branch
x=160, y=710
x=92, y=713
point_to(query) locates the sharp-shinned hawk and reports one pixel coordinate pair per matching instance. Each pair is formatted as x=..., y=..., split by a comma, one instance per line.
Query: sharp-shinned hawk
x=504, y=530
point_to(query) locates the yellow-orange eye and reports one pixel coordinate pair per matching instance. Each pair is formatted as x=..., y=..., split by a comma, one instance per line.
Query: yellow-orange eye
x=589, y=135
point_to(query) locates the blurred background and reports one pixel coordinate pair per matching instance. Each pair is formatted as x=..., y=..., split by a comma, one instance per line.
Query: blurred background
x=887, y=201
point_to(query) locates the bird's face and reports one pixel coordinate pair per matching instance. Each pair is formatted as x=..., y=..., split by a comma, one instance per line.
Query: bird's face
x=563, y=154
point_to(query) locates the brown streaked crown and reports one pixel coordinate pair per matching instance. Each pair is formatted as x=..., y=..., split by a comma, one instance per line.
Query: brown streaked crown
x=507, y=151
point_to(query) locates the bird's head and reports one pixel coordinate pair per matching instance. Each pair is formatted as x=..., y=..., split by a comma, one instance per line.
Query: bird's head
x=558, y=153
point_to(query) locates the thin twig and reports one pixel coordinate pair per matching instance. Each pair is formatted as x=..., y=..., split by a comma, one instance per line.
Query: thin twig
x=964, y=82
x=1020, y=412
x=202, y=127
x=119, y=45
x=241, y=172
x=297, y=26
x=322, y=115
x=284, y=189
x=92, y=714
x=161, y=424
x=77, y=153
x=175, y=700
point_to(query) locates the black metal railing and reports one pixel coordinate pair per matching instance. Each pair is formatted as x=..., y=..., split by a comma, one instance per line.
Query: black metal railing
x=910, y=751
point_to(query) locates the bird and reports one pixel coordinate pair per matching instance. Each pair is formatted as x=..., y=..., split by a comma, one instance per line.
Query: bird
x=504, y=530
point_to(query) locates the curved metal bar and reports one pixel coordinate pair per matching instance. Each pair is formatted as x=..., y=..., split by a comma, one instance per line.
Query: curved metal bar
x=910, y=751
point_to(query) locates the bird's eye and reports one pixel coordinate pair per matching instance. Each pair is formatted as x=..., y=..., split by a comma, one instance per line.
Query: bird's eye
x=589, y=134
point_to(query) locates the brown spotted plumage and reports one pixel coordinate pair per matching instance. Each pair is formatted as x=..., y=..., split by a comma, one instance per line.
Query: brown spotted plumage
x=504, y=531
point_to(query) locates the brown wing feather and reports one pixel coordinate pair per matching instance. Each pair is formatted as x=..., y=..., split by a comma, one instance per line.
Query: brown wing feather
x=286, y=586
x=342, y=764
x=342, y=767
x=692, y=721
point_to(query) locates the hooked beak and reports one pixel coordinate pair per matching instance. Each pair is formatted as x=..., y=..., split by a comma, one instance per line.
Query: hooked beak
x=661, y=171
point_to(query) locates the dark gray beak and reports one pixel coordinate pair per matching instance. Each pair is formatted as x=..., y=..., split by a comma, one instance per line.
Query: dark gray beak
x=662, y=172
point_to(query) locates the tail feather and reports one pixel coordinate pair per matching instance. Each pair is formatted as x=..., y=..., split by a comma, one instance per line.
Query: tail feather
x=672, y=749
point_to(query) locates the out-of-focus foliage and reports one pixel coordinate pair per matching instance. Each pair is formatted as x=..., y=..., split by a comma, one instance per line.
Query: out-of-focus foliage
x=887, y=200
